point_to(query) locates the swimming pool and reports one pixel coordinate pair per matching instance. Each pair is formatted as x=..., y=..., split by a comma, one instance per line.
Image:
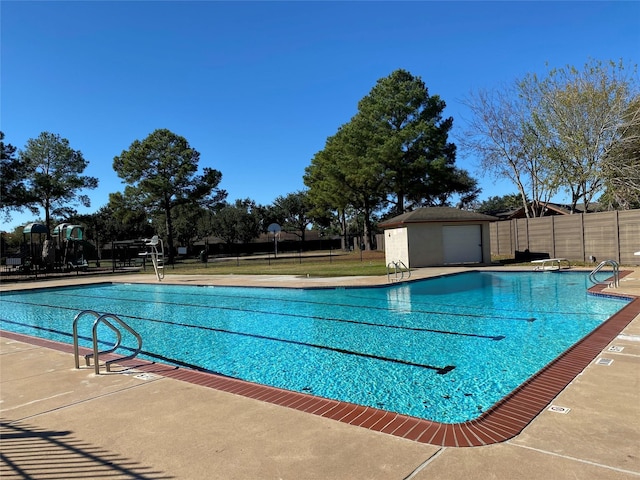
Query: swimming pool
x=443, y=349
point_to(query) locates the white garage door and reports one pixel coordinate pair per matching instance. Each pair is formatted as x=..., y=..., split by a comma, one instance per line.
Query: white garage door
x=462, y=243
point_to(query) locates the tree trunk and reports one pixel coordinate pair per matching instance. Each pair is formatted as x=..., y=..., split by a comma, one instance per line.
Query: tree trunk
x=344, y=242
x=367, y=228
x=169, y=227
x=400, y=203
x=47, y=218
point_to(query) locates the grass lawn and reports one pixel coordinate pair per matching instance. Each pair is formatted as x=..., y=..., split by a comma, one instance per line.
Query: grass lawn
x=313, y=264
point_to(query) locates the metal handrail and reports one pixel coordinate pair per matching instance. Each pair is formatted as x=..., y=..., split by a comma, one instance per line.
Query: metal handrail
x=398, y=265
x=76, y=353
x=102, y=318
x=407, y=269
x=616, y=274
x=108, y=363
x=389, y=266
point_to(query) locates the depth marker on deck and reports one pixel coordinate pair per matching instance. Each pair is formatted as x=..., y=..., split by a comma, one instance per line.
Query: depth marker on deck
x=604, y=361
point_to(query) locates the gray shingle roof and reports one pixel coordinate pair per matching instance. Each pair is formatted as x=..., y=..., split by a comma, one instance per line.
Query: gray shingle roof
x=436, y=214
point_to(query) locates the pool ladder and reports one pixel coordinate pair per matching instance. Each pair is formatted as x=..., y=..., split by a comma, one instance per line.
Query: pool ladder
x=107, y=319
x=616, y=274
x=398, y=268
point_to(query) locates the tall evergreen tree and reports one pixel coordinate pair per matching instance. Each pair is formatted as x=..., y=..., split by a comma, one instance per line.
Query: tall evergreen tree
x=346, y=176
x=407, y=136
x=328, y=191
x=54, y=176
x=161, y=171
x=394, y=150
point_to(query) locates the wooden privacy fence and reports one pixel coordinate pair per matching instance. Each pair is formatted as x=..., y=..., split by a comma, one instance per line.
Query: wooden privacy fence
x=604, y=235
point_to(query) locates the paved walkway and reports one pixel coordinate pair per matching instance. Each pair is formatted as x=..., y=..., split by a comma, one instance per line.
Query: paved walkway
x=59, y=422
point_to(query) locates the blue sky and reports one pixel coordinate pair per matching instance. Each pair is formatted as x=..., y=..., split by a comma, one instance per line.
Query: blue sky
x=257, y=87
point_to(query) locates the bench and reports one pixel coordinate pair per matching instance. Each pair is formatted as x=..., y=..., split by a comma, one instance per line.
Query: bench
x=550, y=264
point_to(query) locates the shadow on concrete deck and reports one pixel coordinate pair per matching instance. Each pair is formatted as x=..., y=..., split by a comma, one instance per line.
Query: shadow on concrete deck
x=32, y=452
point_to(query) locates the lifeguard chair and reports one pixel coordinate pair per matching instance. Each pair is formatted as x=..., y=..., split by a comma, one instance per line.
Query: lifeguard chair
x=155, y=250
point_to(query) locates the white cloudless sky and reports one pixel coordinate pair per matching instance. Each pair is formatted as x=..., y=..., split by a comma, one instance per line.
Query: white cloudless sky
x=257, y=87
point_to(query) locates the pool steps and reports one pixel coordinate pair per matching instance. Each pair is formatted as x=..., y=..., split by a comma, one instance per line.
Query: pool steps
x=103, y=319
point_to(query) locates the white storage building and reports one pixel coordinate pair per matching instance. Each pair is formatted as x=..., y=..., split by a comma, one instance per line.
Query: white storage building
x=436, y=236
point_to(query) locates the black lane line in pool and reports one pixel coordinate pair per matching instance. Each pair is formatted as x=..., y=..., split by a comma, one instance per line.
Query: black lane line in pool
x=438, y=370
x=348, y=305
x=312, y=317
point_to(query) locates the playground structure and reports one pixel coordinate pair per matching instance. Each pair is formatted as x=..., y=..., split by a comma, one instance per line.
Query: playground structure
x=66, y=249
x=69, y=247
x=62, y=250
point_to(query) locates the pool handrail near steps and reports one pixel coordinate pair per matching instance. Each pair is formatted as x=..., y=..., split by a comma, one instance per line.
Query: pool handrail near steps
x=616, y=274
x=102, y=319
x=398, y=266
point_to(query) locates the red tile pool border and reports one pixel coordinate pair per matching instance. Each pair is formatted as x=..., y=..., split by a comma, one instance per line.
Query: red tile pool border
x=503, y=421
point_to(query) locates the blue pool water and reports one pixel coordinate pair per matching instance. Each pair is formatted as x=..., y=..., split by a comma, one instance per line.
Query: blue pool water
x=443, y=349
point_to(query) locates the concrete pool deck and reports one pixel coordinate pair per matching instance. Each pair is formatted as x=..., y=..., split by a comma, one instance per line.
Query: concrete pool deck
x=58, y=422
